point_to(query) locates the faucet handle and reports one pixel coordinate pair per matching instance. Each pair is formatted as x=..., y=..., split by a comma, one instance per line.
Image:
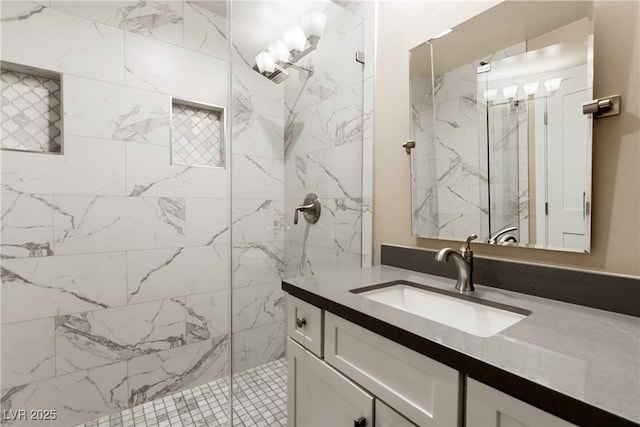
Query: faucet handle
x=465, y=250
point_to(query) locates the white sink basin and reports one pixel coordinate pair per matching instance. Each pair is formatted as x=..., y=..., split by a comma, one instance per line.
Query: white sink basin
x=458, y=312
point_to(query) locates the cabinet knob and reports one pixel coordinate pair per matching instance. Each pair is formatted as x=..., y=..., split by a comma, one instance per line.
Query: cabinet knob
x=360, y=422
x=301, y=322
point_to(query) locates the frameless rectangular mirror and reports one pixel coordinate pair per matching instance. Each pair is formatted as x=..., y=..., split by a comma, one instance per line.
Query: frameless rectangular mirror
x=503, y=149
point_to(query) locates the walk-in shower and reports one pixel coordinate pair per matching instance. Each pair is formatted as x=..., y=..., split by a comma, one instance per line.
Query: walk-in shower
x=150, y=176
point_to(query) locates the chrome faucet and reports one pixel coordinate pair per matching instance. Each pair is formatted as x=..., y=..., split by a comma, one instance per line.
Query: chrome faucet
x=464, y=262
x=506, y=239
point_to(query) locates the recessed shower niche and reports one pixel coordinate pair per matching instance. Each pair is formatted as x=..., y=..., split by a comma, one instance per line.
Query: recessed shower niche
x=31, y=109
x=197, y=134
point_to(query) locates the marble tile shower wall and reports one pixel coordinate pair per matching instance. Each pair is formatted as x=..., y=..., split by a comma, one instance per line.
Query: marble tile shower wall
x=328, y=145
x=257, y=221
x=114, y=262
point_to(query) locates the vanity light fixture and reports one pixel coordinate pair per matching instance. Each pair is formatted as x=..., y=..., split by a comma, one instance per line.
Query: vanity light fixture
x=552, y=85
x=297, y=42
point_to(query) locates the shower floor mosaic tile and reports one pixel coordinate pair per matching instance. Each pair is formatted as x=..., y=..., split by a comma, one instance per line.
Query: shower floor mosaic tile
x=260, y=399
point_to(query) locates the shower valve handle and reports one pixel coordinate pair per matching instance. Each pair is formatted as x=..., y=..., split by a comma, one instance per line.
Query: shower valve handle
x=303, y=208
x=310, y=207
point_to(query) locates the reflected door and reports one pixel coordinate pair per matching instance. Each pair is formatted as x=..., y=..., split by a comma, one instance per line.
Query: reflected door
x=567, y=133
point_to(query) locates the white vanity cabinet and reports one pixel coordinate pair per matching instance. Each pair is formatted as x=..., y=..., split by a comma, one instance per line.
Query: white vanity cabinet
x=318, y=395
x=362, y=374
x=387, y=417
x=488, y=407
x=419, y=388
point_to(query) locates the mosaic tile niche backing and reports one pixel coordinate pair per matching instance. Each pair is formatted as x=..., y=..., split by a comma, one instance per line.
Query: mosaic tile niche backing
x=31, y=116
x=196, y=135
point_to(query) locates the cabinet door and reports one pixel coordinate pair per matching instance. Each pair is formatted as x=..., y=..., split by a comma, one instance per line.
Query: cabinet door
x=421, y=389
x=320, y=396
x=488, y=407
x=387, y=417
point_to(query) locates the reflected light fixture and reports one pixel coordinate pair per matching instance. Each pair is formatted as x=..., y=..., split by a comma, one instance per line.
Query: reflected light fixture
x=490, y=94
x=509, y=92
x=552, y=85
x=531, y=88
x=297, y=42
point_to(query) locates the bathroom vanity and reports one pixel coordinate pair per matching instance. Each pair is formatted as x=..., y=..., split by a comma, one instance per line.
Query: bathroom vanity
x=354, y=360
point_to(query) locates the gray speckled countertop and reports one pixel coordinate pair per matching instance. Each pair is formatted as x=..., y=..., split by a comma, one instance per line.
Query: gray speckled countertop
x=590, y=355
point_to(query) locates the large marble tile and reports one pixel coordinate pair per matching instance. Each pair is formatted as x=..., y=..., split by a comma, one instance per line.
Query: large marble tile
x=187, y=74
x=455, y=225
x=257, y=134
x=369, y=46
x=28, y=352
x=333, y=122
x=254, y=93
x=253, y=306
x=257, y=263
x=322, y=233
x=304, y=260
x=207, y=222
x=333, y=173
x=35, y=288
x=455, y=84
x=456, y=113
x=101, y=337
x=89, y=166
x=162, y=20
x=168, y=273
x=257, y=221
x=112, y=111
x=98, y=224
x=257, y=178
x=207, y=316
x=205, y=31
x=339, y=226
x=150, y=173
x=459, y=199
x=244, y=350
x=159, y=374
x=77, y=398
x=270, y=343
x=27, y=225
x=46, y=38
x=254, y=347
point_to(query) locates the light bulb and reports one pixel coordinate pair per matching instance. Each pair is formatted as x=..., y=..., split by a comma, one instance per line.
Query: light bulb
x=294, y=39
x=531, y=88
x=509, y=92
x=490, y=94
x=278, y=50
x=552, y=85
x=265, y=62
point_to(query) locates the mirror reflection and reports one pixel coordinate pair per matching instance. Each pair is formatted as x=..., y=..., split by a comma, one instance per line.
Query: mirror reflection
x=502, y=146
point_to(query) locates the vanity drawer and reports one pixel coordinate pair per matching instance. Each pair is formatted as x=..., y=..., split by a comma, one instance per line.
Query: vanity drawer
x=423, y=390
x=304, y=324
